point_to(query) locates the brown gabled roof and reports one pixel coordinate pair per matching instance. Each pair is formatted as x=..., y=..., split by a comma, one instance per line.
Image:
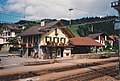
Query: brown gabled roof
x=94, y=35
x=31, y=31
x=12, y=26
x=50, y=25
x=38, y=29
x=113, y=37
x=35, y=30
x=84, y=41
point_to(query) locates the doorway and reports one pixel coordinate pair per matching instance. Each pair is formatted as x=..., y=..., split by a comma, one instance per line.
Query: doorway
x=59, y=52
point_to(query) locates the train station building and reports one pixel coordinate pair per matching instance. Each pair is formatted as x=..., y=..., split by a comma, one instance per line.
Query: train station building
x=53, y=40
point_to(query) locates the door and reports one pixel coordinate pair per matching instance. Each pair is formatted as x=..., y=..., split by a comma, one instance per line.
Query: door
x=59, y=52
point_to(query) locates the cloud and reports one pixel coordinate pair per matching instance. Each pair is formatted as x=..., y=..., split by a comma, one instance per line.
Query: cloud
x=17, y=7
x=39, y=9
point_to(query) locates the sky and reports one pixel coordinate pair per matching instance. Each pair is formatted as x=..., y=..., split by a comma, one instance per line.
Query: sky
x=15, y=10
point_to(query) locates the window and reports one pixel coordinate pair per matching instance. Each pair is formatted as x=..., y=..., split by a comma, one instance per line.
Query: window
x=29, y=39
x=8, y=33
x=62, y=40
x=48, y=38
x=56, y=39
x=24, y=39
x=68, y=49
x=35, y=39
x=4, y=40
x=5, y=33
x=59, y=52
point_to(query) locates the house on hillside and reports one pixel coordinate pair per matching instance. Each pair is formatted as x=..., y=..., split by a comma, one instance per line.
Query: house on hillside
x=114, y=37
x=46, y=40
x=9, y=31
x=1, y=42
x=83, y=45
x=102, y=38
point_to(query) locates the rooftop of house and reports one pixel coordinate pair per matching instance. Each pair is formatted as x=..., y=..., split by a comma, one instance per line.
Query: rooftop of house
x=114, y=37
x=35, y=30
x=84, y=41
x=15, y=27
x=94, y=35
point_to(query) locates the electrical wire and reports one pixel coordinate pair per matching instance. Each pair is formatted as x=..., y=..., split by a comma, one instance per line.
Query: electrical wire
x=78, y=9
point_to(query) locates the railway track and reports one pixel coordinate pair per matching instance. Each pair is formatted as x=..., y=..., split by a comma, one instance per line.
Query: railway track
x=89, y=75
x=79, y=72
x=92, y=73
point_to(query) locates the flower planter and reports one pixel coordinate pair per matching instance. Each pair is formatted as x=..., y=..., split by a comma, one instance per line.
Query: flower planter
x=23, y=44
x=49, y=43
x=56, y=44
x=67, y=54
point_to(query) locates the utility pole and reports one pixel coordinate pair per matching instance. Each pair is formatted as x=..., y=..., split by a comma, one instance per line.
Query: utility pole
x=24, y=8
x=0, y=17
x=116, y=6
x=70, y=15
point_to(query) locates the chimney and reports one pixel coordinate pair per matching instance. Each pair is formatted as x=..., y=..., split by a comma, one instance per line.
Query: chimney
x=42, y=23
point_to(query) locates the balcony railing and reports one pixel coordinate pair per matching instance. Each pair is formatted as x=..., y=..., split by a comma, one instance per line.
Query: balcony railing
x=49, y=43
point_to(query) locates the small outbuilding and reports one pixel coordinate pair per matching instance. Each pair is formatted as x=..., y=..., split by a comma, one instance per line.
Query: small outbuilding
x=83, y=45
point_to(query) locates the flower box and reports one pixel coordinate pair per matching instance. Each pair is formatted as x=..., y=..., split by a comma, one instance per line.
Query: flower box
x=23, y=44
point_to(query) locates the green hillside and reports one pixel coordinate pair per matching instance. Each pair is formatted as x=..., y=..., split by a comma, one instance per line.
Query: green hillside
x=84, y=29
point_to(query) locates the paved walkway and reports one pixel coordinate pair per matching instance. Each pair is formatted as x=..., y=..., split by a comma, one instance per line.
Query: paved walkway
x=13, y=62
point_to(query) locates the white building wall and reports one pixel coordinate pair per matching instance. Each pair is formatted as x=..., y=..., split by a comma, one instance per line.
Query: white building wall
x=6, y=34
x=105, y=37
x=52, y=34
x=13, y=34
x=67, y=52
x=1, y=41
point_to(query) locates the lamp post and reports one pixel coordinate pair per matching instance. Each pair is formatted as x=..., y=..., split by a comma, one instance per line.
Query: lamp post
x=116, y=6
x=70, y=15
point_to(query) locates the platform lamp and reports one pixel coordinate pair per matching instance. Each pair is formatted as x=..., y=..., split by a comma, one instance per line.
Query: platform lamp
x=70, y=10
x=116, y=6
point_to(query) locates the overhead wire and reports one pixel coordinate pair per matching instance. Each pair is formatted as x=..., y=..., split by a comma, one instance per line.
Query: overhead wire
x=9, y=14
x=78, y=9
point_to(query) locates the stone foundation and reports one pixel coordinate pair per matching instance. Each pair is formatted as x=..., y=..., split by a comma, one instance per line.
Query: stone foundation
x=94, y=55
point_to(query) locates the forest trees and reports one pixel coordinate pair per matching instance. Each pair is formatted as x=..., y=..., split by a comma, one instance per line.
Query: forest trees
x=84, y=30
